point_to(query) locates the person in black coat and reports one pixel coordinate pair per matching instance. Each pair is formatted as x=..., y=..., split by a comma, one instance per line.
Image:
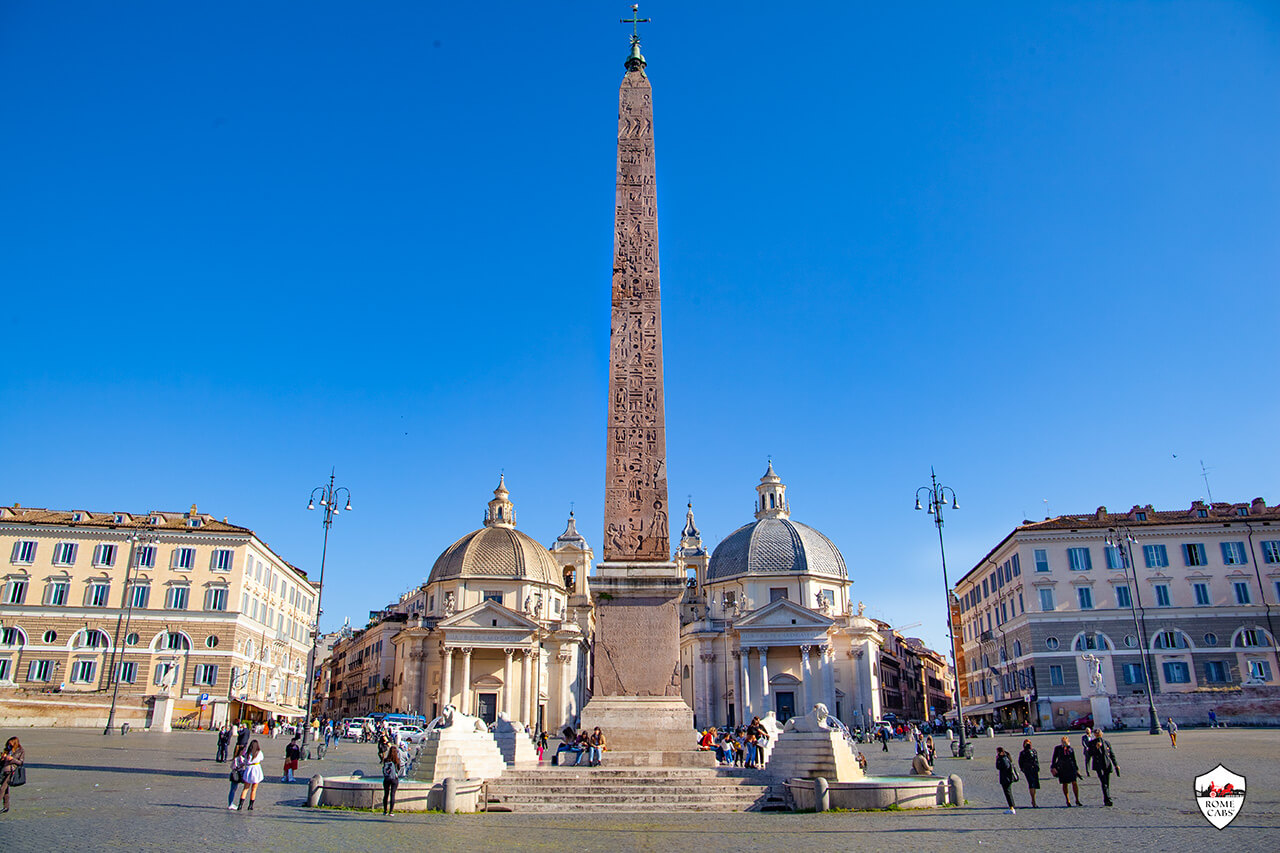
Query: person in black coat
x=1004, y=766
x=224, y=742
x=1029, y=762
x=1103, y=761
x=1066, y=770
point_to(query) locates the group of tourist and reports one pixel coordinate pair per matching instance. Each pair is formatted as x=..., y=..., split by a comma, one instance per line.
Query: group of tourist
x=246, y=774
x=740, y=747
x=582, y=747
x=1064, y=766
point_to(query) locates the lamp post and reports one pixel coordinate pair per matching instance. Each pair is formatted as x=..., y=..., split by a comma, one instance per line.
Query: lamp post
x=936, y=495
x=235, y=682
x=1122, y=539
x=329, y=497
x=126, y=615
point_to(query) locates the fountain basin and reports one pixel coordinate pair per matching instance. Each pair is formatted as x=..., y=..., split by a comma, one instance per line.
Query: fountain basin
x=361, y=792
x=875, y=792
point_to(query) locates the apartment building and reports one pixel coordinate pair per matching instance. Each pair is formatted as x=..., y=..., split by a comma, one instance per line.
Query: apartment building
x=185, y=619
x=1058, y=614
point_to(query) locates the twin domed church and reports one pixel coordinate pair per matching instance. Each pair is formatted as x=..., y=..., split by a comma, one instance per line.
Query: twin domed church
x=505, y=625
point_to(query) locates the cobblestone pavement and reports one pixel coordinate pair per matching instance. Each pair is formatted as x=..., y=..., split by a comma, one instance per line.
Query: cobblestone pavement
x=165, y=792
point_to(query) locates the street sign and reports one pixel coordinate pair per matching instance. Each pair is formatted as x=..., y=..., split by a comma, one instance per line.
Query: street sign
x=204, y=699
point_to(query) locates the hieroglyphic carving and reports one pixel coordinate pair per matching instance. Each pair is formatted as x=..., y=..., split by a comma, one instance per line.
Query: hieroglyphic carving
x=636, y=517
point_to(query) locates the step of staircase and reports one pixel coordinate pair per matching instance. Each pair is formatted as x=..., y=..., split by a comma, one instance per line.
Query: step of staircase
x=633, y=789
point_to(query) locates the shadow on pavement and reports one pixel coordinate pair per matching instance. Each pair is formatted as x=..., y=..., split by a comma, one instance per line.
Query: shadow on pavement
x=148, y=771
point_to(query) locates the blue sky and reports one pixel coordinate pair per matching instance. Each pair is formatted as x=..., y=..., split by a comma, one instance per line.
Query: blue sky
x=1033, y=245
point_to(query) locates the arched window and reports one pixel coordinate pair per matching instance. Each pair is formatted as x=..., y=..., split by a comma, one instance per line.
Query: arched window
x=1017, y=648
x=1171, y=639
x=1090, y=641
x=90, y=638
x=1249, y=637
x=173, y=641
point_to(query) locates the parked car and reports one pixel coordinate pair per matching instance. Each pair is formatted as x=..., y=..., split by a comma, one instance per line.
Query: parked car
x=411, y=735
x=1085, y=722
x=355, y=729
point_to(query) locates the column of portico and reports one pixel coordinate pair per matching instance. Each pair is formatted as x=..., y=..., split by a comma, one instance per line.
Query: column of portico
x=828, y=677
x=806, y=681
x=506, y=682
x=765, y=705
x=465, y=692
x=706, y=692
x=526, y=683
x=446, y=676
x=744, y=695
x=563, y=713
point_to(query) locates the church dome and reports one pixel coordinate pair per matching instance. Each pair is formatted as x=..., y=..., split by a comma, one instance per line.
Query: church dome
x=773, y=543
x=775, y=546
x=497, y=550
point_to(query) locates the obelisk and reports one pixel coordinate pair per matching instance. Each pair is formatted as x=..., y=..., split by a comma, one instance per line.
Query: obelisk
x=636, y=589
x=635, y=511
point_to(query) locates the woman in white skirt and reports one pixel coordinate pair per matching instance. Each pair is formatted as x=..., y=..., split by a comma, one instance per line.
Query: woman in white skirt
x=252, y=774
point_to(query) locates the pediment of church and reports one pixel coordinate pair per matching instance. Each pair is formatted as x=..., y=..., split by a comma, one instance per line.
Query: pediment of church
x=786, y=614
x=491, y=615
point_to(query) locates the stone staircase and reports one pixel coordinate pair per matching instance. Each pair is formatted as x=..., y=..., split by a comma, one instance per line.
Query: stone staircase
x=634, y=789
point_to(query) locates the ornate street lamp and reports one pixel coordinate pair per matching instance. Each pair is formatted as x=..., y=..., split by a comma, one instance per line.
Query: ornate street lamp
x=937, y=496
x=126, y=614
x=329, y=497
x=1122, y=539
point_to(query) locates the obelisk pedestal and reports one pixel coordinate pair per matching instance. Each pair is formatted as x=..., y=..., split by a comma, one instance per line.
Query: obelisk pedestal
x=636, y=697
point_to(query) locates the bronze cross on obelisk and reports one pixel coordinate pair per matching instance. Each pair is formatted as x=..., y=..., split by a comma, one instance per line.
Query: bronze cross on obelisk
x=635, y=21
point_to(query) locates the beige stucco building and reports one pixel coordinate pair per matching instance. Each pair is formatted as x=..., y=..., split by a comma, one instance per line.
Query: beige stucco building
x=175, y=606
x=1047, y=617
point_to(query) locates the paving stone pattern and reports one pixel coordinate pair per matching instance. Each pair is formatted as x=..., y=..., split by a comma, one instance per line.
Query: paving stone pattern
x=164, y=792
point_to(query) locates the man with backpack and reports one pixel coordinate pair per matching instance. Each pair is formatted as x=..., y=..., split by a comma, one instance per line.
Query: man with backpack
x=292, y=753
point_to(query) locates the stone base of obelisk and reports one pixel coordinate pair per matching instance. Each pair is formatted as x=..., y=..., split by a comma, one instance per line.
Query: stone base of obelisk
x=636, y=698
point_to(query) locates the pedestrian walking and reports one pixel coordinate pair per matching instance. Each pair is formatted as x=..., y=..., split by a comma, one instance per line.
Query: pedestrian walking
x=1085, y=740
x=1008, y=775
x=1065, y=769
x=1173, y=732
x=253, y=774
x=12, y=771
x=224, y=740
x=392, y=770
x=292, y=753
x=1103, y=760
x=242, y=736
x=236, y=776
x=929, y=752
x=1029, y=762
x=884, y=739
